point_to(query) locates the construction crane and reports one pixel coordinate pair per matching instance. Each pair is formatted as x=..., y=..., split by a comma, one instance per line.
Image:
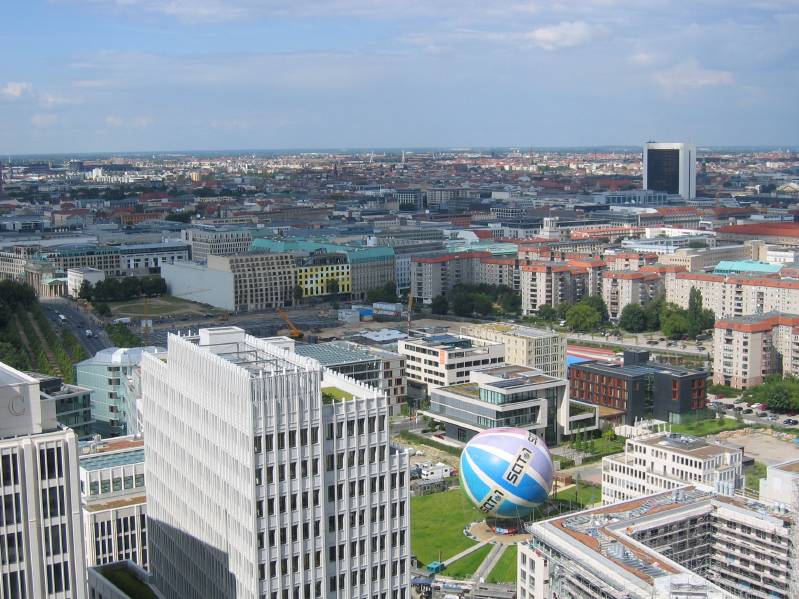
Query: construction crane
x=294, y=332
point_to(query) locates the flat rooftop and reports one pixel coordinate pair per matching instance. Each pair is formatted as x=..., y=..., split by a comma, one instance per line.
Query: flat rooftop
x=112, y=460
x=519, y=331
x=789, y=467
x=685, y=445
x=335, y=353
x=633, y=370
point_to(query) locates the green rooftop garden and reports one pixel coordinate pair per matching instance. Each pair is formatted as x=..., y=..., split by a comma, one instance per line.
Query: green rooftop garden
x=126, y=581
x=334, y=394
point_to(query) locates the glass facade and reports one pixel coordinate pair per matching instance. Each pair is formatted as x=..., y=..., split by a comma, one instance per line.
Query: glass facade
x=663, y=170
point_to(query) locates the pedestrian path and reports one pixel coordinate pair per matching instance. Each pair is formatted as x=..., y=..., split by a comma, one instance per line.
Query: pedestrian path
x=464, y=553
x=489, y=562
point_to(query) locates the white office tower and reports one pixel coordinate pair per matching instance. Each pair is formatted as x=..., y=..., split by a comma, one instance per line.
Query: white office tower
x=269, y=476
x=670, y=167
x=41, y=538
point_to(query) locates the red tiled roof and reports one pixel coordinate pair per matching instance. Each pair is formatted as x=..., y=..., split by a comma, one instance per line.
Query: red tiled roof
x=775, y=229
x=766, y=324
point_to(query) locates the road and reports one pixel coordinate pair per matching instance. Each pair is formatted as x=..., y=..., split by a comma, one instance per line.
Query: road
x=77, y=322
x=681, y=348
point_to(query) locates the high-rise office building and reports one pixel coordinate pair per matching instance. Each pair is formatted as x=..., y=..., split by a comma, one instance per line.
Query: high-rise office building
x=41, y=537
x=269, y=476
x=670, y=167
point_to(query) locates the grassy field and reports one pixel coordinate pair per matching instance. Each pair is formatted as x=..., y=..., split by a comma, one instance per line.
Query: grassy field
x=588, y=495
x=437, y=523
x=155, y=307
x=700, y=428
x=331, y=394
x=505, y=568
x=466, y=566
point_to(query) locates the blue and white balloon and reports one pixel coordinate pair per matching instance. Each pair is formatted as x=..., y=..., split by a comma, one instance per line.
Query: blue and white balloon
x=506, y=472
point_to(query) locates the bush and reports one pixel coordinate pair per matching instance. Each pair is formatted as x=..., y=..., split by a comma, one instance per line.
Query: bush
x=122, y=336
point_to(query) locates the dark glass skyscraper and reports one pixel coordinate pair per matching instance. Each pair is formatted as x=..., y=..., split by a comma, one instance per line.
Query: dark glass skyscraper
x=663, y=170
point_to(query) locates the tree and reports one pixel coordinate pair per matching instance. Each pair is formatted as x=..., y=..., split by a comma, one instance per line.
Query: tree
x=633, y=318
x=675, y=324
x=85, y=291
x=332, y=286
x=547, y=313
x=652, y=313
x=439, y=305
x=180, y=217
x=699, y=319
x=482, y=304
x=153, y=286
x=583, y=318
x=511, y=303
x=697, y=244
x=597, y=303
x=384, y=293
x=298, y=293
x=562, y=309
x=462, y=304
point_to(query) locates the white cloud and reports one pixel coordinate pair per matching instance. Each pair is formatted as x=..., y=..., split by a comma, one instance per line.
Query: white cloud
x=14, y=90
x=643, y=58
x=566, y=34
x=689, y=75
x=44, y=119
x=127, y=122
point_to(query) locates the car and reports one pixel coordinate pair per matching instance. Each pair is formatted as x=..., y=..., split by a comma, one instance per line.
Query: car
x=662, y=339
x=773, y=417
x=762, y=414
x=701, y=348
x=652, y=342
x=747, y=411
x=791, y=421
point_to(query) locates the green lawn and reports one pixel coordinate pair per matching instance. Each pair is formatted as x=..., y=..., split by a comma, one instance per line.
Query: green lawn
x=505, y=569
x=588, y=495
x=466, y=566
x=437, y=523
x=159, y=306
x=711, y=426
x=331, y=394
x=752, y=476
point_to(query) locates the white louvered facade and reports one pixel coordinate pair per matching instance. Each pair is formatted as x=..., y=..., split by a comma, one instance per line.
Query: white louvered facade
x=256, y=488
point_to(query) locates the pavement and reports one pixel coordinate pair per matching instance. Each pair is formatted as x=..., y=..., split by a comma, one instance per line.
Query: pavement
x=649, y=343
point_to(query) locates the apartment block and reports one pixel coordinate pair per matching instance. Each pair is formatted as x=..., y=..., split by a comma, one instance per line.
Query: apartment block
x=432, y=276
x=630, y=261
x=781, y=485
x=440, y=360
x=41, y=540
x=747, y=349
x=525, y=346
x=689, y=543
x=664, y=461
x=216, y=242
x=551, y=284
x=640, y=389
x=257, y=486
x=740, y=295
x=114, y=501
x=316, y=274
x=510, y=395
x=620, y=288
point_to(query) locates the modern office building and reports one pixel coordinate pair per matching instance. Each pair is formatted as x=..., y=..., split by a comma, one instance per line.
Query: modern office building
x=440, y=360
x=206, y=242
x=370, y=267
x=671, y=168
x=525, y=346
x=114, y=501
x=108, y=374
x=378, y=368
x=640, y=389
x=41, y=540
x=689, y=543
x=664, y=461
x=242, y=283
x=119, y=260
x=747, y=349
x=509, y=395
x=73, y=403
x=257, y=487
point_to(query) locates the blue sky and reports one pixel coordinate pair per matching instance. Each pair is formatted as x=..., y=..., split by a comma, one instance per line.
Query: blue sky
x=115, y=75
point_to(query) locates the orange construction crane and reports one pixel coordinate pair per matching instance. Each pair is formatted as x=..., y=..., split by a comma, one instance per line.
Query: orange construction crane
x=294, y=332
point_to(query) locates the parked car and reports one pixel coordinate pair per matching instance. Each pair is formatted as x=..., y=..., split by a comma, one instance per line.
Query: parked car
x=773, y=417
x=762, y=414
x=791, y=421
x=747, y=411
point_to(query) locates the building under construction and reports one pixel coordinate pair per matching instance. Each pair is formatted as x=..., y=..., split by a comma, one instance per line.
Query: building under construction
x=688, y=543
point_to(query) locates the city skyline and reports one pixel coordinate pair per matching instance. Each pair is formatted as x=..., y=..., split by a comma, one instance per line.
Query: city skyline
x=144, y=75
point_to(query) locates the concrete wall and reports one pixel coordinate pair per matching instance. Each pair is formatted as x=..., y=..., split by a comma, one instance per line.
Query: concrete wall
x=199, y=284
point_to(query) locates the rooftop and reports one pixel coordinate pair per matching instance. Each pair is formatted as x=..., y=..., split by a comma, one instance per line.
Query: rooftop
x=125, y=356
x=128, y=581
x=112, y=460
x=634, y=370
x=736, y=266
x=335, y=353
x=788, y=466
x=517, y=330
x=686, y=445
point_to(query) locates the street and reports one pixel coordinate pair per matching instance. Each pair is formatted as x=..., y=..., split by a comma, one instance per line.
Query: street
x=78, y=323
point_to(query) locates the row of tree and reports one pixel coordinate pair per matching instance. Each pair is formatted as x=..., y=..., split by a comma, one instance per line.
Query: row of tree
x=588, y=314
x=480, y=300
x=673, y=321
x=124, y=288
x=779, y=394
